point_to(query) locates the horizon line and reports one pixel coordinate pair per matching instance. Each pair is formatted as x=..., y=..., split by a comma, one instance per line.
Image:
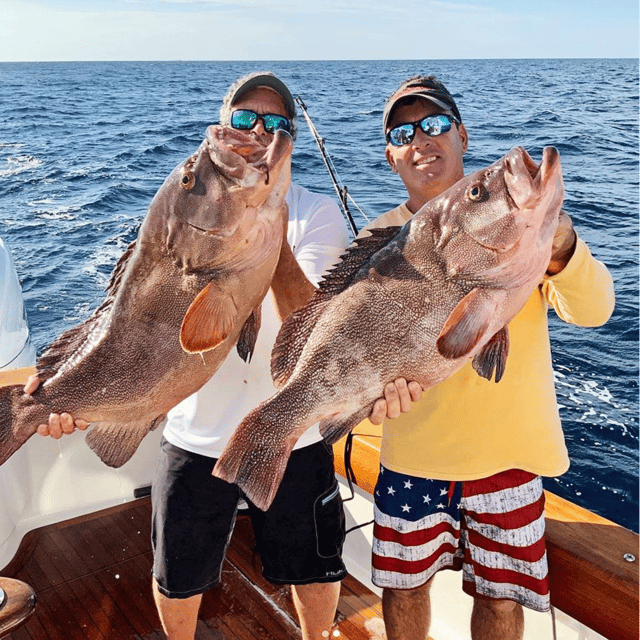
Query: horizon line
x=319, y=59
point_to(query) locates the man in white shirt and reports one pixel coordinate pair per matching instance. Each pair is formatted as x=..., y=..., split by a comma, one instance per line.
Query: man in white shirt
x=193, y=512
x=300, y=537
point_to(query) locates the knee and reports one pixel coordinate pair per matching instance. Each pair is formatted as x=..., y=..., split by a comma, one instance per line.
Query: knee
x=497, y=607
x=408, y=595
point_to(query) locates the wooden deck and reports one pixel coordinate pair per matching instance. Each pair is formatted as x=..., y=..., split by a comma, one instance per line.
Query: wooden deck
x=92, y=578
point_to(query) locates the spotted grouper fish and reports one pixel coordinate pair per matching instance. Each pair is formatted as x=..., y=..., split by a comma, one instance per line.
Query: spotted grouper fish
x=184, y=293
x=416, y=301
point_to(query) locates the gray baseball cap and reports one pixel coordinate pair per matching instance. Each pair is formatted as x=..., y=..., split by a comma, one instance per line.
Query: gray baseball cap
x=416, y=87
x=270, y=81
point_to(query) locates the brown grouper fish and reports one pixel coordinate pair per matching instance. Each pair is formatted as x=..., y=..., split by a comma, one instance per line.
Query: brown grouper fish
x=181, y=297
x=416, y=301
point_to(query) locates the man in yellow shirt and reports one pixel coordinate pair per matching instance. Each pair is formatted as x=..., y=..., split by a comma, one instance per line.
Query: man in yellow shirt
x=460, y=484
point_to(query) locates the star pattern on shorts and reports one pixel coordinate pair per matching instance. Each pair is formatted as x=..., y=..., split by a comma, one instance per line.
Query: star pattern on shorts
x=412, y=498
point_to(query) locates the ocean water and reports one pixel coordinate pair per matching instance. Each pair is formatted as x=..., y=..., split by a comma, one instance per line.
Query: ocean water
x=84, y=147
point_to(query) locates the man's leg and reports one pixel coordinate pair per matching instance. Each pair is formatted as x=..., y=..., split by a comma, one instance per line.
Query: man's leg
x=193, y=515
x=316, y=604
x=407, y=612
x=505, y=565
x=179, y=616
x=300, y=538
x=415, y=535
x=492, y=619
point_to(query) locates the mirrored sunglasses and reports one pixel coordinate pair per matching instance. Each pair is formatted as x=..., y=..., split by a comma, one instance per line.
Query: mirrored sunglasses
x=246, y=119
x=431, y=125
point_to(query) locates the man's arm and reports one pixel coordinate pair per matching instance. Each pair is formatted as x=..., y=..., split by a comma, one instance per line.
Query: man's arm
x=577, y=286
x=290, y=286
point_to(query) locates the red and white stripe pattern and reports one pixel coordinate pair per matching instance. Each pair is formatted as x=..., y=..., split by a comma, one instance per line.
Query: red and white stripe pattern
x=493, y=529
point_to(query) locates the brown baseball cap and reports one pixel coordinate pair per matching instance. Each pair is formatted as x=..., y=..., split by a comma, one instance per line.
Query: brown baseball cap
x=423, y=87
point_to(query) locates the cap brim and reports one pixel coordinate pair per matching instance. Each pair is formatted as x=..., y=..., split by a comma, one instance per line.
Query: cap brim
x=392, y=104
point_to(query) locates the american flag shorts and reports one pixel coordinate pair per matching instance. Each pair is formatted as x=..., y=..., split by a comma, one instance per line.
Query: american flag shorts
x=492, y=529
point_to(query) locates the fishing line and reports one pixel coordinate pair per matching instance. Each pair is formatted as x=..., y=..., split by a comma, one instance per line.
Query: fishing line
x=341, y=190
x=343, y=196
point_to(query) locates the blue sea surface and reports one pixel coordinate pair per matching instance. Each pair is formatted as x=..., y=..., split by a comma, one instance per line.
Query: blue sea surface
x=85, y=146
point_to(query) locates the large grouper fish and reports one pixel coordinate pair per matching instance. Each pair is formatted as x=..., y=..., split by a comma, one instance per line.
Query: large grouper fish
x=416, y=301
x=184, y=293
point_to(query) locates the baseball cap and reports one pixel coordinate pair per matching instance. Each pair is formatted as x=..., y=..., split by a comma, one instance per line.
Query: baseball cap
x=266, y=80
x=420, y=87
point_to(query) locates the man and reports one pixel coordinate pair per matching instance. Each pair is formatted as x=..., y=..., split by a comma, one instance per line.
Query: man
x=193, y=512
x=459, y=485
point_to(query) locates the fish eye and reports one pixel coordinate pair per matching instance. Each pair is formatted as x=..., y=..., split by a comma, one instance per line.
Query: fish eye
x=187, y=181
x=476, y=192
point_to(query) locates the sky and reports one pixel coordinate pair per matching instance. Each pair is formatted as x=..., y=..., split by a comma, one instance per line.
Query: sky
x=48, y=30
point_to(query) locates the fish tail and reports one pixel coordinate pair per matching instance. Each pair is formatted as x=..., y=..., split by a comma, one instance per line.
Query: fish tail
x=13, y=432
x=256, y=457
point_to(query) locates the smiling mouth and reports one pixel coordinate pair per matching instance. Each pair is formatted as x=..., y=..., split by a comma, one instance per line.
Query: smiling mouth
x=425, y=161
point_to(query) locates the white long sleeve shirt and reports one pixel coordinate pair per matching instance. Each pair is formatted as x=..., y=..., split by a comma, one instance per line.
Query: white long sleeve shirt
x=204, y=422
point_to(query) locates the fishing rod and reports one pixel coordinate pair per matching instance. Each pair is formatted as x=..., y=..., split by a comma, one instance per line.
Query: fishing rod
x=341, y=191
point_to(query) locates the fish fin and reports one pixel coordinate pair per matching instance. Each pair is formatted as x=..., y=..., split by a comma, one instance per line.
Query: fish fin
x=15, y=429
x=249, y=334
x=72, y=340
x=119, y=269
x=115, y=443
x=297, y=328
x=208, y=320
x=63, y=348
x=332, y=429
x=255, y=460
x=465, y=326
x=340, y=276
x=493, y=356
x=293, y=336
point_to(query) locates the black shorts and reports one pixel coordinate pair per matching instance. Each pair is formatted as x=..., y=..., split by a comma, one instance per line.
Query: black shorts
x=299, y=538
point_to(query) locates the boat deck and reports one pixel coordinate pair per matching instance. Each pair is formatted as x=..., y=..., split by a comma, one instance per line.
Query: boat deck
x=92, y=578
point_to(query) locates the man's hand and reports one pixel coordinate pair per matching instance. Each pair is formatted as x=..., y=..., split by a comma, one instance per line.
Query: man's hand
x=564, y=244
x=59, y=423
x=398, y=398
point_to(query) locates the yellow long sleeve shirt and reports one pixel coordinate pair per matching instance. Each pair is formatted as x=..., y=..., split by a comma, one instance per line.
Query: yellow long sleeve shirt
x=467, y=427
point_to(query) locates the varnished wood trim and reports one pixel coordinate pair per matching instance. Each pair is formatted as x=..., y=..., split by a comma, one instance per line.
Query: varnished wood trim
x=590, y=579
x=19, y=604
x=15, y=376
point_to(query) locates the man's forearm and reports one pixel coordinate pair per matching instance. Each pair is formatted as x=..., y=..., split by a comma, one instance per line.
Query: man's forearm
x=291, y=288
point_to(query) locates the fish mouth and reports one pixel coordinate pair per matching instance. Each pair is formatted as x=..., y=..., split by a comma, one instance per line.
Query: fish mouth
x=217, y=233
x=525, y=179
x=236, y=154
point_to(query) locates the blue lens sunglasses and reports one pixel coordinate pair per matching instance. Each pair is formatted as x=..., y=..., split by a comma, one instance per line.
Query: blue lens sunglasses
x=245, y=119
x=431, y=125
